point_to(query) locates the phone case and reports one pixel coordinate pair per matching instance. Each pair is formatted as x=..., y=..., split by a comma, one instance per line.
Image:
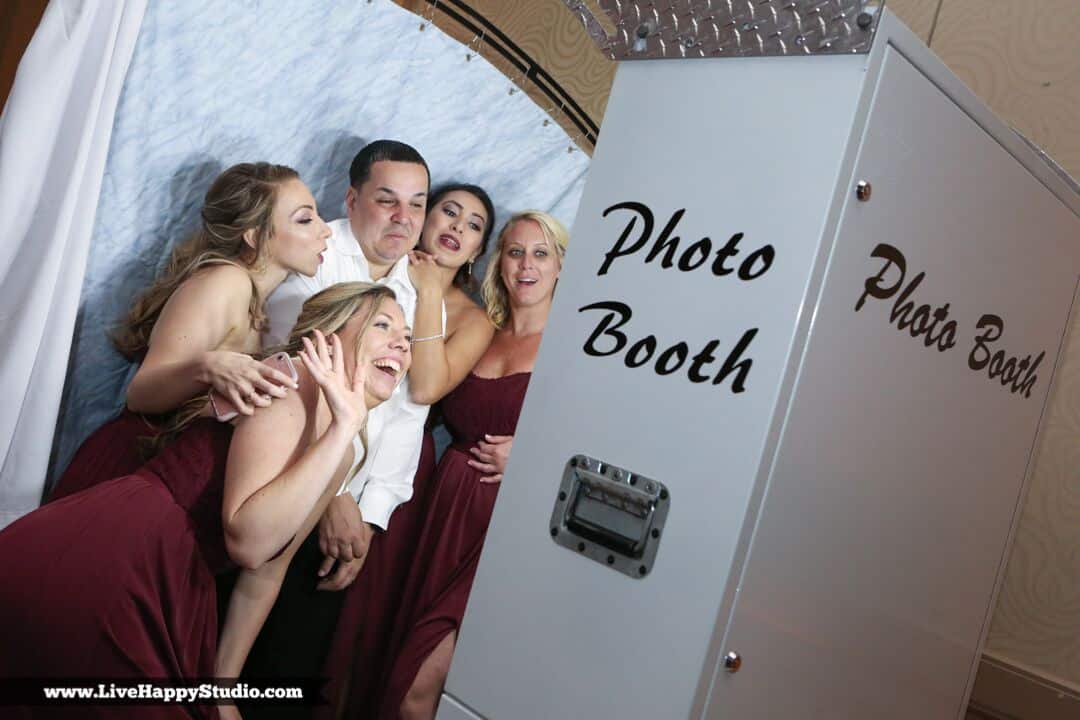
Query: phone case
x=223, y=408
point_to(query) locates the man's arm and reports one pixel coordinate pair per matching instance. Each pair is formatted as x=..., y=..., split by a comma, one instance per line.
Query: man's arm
x=393, y=461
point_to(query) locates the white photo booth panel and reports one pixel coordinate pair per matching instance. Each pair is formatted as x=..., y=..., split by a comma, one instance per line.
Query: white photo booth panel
x=843, y=484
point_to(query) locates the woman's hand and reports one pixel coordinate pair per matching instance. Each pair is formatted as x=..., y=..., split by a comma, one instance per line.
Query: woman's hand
x=345, y=396
x=424, y=272
x=245, y=381
x=491, y=456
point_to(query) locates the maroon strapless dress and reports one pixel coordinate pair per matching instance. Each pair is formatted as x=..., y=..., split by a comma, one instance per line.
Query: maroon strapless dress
x=359, y=647
x=110, y=452
x=118, y=581
x=458, y=514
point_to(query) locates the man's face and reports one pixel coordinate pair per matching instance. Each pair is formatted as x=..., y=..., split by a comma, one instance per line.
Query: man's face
x=387, y=212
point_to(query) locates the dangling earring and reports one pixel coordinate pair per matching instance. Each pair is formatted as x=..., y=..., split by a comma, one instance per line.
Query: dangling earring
x=468, y=270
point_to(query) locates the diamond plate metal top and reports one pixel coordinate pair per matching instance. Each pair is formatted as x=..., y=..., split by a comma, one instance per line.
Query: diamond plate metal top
x=646, y=29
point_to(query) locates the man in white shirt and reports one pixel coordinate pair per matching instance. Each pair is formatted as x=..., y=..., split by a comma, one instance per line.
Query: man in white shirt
x=385, y=205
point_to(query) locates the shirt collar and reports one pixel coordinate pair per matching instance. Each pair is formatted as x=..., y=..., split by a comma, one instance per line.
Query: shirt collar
x=346, y=243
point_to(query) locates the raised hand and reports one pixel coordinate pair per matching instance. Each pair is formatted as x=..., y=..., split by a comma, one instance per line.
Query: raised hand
x=345, y=396
x=424, y=271
x=491, y=456
x=246, y=382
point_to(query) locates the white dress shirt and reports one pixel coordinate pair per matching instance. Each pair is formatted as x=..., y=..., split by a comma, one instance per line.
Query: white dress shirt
x=395, y=427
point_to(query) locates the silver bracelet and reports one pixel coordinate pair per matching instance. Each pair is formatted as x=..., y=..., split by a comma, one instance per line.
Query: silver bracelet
x=430, y=337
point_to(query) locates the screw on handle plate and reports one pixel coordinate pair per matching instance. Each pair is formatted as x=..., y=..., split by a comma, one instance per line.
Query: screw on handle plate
x=732, y=661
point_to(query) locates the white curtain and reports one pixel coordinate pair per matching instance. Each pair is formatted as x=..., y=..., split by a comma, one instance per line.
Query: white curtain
x=54, y=138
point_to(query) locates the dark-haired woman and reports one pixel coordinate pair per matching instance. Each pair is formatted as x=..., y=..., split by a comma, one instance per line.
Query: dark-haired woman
x=195, y=328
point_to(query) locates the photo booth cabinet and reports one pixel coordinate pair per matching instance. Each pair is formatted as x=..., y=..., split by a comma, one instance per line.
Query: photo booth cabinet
x=778, y=433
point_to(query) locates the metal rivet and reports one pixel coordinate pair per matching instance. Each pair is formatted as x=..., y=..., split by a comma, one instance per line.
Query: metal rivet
x=864, y=20
x=863, y=190
x=618, y=474
x=732, y=661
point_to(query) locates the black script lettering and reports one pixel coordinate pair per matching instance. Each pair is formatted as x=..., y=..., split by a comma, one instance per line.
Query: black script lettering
x=641, y=351
x=702, y=359
x=872, y=286
x=666, y=242
x=672, y=358
x=617, y=250
x=732, y=363
x=686, y=262
x=666, y=246
x=1018, y=375
x=907, y=316
x=605, y=327
x=663, y=363
x=730, y=250
x=980, y=354
x=746, y=267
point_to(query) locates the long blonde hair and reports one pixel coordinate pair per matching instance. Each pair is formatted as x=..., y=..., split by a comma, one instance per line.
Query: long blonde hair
x=493, y=291
x=328, y=311
x=240, y=200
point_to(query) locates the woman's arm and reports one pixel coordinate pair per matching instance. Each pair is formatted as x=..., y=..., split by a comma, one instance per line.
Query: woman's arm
x=183, y=361
x=253, y=597
x=439, y=365
x=281, y=461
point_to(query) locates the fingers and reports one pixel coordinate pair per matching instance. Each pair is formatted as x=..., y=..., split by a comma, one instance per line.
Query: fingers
x=497, y=439
x=483, y=467
x=492, y=479
x=342, y=577
x=327, y=563
x=273, y=381
x=238, y=402
x=483, y=451
x=345, y=550
x=323, y=348
x=338, y=355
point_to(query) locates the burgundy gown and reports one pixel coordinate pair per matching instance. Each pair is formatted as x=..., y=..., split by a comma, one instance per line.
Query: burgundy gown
x=118, y=581
x=457, y=519
x=359, y=646
x=110, y=452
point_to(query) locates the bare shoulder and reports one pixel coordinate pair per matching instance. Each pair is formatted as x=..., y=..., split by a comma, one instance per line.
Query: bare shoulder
x=227, y=287
x=462, y=312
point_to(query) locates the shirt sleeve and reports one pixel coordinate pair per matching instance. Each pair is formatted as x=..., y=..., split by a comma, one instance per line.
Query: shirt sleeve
x=393, y=465
x=283, y=306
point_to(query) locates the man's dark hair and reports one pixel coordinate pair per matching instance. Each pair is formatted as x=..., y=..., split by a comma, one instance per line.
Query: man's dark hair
x=379, y=150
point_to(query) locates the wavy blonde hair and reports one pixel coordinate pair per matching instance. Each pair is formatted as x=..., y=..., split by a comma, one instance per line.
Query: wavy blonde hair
x=240, y=200
x=493, y=291
x=328, y=311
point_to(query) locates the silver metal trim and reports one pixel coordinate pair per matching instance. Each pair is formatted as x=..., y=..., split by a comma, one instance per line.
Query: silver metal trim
x=621, y=494
x=649, y=29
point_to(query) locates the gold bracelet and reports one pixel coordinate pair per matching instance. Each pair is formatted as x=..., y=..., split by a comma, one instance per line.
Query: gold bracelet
x=430, y=337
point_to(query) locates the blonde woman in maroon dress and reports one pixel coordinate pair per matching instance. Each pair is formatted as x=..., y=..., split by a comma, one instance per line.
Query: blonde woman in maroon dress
x=481, y=414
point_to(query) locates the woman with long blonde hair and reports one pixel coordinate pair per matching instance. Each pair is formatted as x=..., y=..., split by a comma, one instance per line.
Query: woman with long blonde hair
x=140, y=552
x=196, y=327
